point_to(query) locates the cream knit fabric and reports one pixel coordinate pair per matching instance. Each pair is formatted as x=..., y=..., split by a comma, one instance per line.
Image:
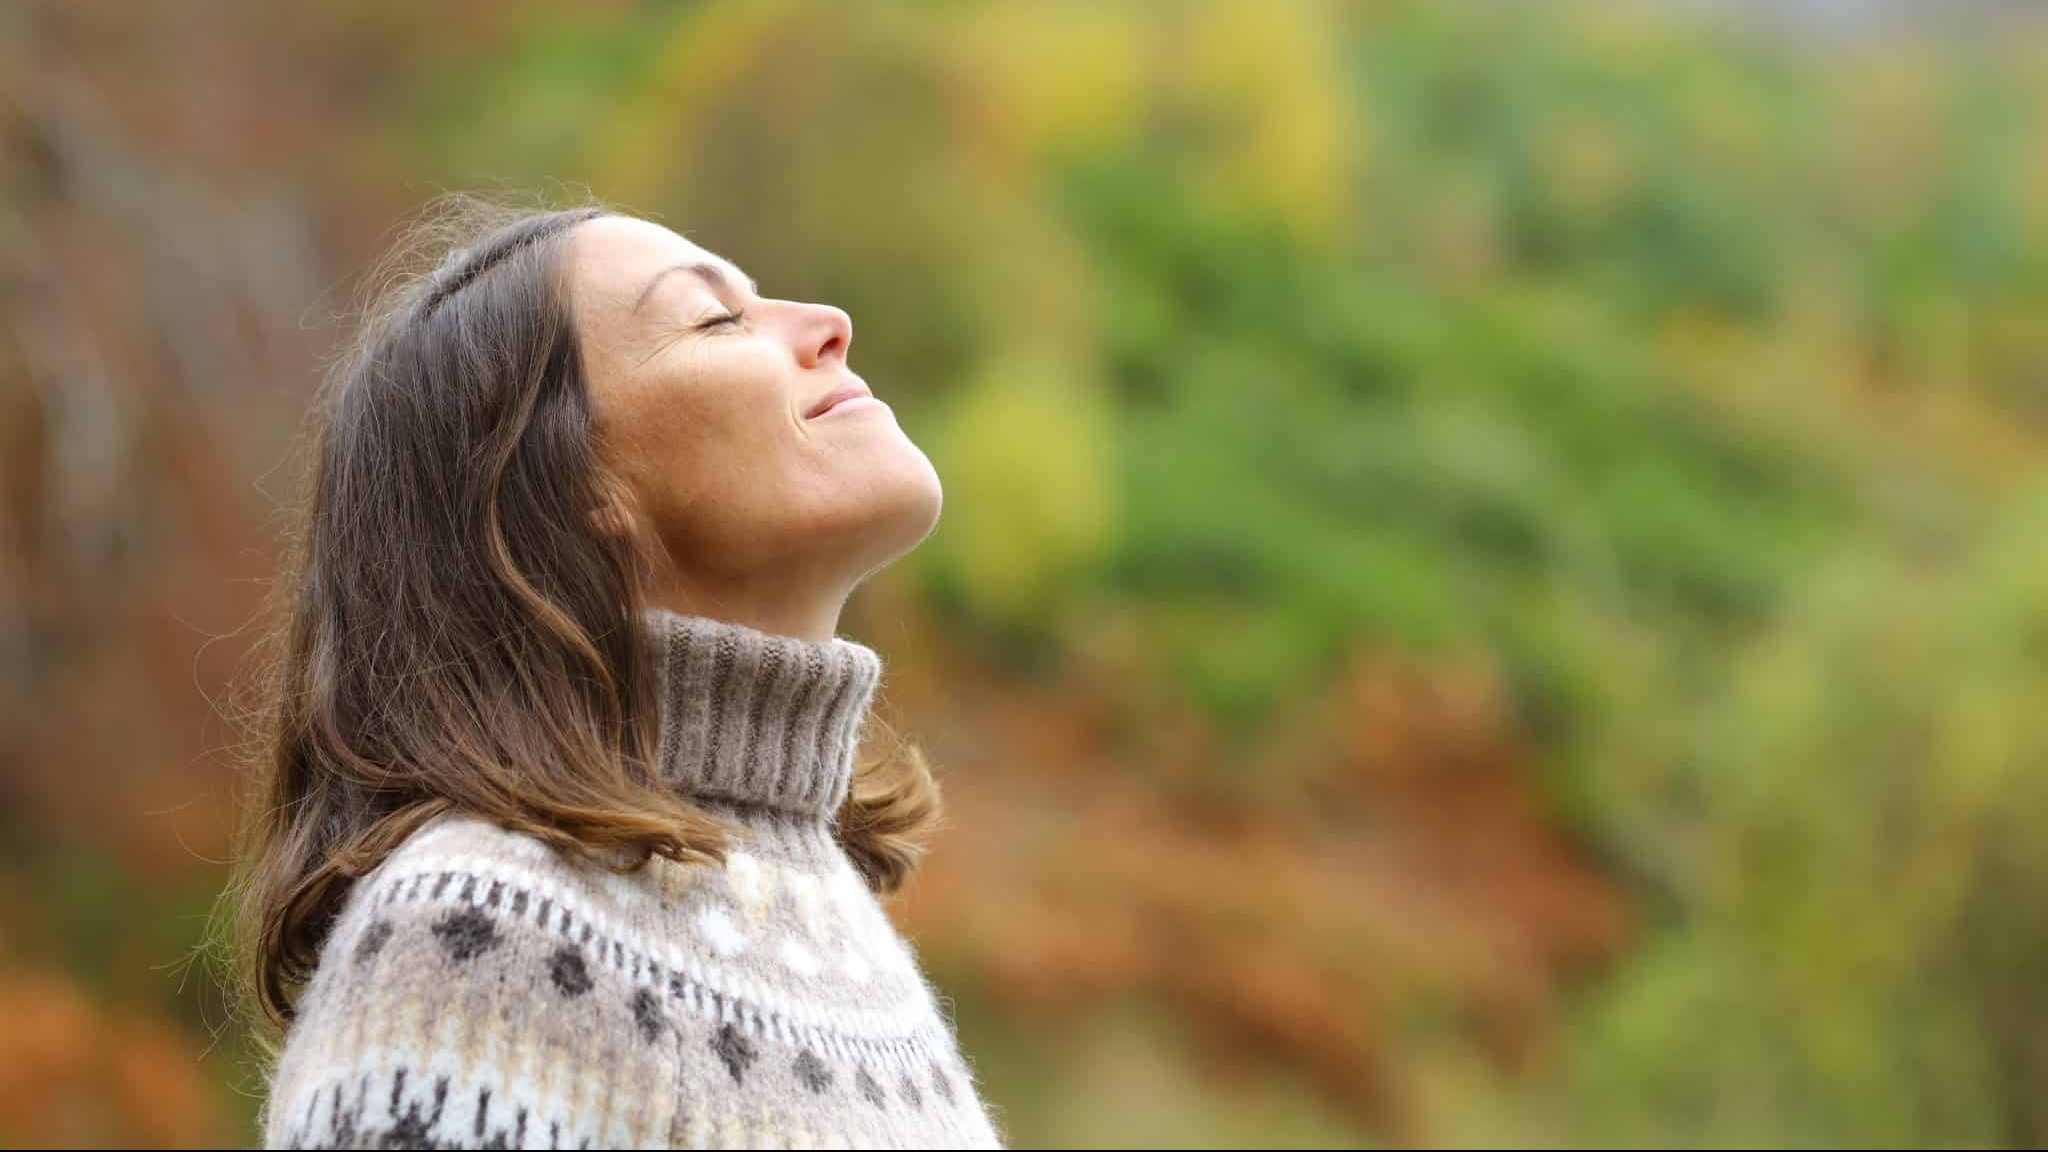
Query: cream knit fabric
x=480, y=989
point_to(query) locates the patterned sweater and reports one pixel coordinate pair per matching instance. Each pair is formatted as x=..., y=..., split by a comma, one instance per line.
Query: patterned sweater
x=480, y=989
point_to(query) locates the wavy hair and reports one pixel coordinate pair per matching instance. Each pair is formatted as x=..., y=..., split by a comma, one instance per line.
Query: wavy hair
x=451, y=631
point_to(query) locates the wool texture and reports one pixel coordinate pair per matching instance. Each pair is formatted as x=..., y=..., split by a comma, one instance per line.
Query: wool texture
x=480, y=989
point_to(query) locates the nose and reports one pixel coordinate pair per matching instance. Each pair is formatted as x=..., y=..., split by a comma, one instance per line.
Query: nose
x=827, y=335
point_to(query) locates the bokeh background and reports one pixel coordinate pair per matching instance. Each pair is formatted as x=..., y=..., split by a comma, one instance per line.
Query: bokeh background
x=1494, y=583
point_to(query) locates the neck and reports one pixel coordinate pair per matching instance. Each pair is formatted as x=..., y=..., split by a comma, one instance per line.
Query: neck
x=757, y=719
x=797, y=610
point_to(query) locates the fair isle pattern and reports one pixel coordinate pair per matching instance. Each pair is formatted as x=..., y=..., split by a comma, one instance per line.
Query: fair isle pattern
x=482, y=990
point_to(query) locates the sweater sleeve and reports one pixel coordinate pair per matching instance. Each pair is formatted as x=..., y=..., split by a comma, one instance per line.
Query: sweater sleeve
x=468, y=1007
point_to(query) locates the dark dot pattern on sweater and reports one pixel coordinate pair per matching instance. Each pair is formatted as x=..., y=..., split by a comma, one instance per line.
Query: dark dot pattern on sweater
x=374, y=939
x=733, y=1047
x=870, y=1088
x=552, y=989
x=570, y=974
x=812, y=1072
x=647, y=1014
x=466, y=933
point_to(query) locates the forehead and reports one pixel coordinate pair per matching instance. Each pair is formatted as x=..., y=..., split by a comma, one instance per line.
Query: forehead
x=613, y=257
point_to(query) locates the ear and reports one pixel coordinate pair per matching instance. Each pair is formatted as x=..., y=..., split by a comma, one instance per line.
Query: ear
x=610, y=521
x=616, y=514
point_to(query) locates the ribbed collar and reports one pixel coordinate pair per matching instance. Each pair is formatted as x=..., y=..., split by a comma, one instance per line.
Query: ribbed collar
x=758, y=719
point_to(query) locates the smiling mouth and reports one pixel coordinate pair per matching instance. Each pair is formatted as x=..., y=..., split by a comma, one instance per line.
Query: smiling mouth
x=852, y=404
x=855, y=390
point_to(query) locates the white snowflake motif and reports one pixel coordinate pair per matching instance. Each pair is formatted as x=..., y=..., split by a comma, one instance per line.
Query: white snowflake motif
x=749, y=879
x=716, y=926
x=808, y=894
x=798, y=958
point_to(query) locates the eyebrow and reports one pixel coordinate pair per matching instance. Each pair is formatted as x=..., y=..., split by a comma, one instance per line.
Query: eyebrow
x=710, y=273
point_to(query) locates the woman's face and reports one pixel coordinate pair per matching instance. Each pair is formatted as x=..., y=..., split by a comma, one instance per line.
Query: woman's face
x=709, y=422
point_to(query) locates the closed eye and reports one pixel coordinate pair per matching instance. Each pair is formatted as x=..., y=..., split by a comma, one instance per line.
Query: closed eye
x=703, y=325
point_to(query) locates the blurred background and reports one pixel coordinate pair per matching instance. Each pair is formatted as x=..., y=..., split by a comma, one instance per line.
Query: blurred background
x=1494, y=583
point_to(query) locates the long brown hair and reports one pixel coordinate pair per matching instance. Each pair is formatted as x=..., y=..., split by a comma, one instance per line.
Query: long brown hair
x=451, y=631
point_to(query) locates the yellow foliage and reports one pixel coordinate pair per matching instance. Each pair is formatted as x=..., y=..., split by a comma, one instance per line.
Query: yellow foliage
x=1269, y=73
x=1039, y=76
x=1026, y=454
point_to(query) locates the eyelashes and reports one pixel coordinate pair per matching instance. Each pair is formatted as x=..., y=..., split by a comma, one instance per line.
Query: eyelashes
x=678, y=333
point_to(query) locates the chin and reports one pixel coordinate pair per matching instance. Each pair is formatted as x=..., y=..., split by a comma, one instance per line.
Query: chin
x=907, y=510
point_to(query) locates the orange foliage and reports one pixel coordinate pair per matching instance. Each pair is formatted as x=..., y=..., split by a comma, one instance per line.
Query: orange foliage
x=76, y=1073
x=1416, y=870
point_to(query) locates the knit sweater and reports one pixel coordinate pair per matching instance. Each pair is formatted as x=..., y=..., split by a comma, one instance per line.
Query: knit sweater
x=480, y=988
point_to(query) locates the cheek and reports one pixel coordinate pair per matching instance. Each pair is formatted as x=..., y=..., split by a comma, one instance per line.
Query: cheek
x=650, y=440
x=710, y=430
x=630, y=425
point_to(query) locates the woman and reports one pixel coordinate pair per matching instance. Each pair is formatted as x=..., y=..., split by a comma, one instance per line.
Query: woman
x=562, y=838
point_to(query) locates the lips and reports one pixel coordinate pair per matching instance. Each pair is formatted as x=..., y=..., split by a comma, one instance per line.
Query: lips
x=845, y=391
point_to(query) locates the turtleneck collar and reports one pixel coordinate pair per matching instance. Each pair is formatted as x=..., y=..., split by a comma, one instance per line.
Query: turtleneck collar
x=757, y=719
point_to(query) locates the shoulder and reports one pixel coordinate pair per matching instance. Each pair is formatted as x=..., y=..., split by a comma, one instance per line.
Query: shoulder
x=477, y=988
